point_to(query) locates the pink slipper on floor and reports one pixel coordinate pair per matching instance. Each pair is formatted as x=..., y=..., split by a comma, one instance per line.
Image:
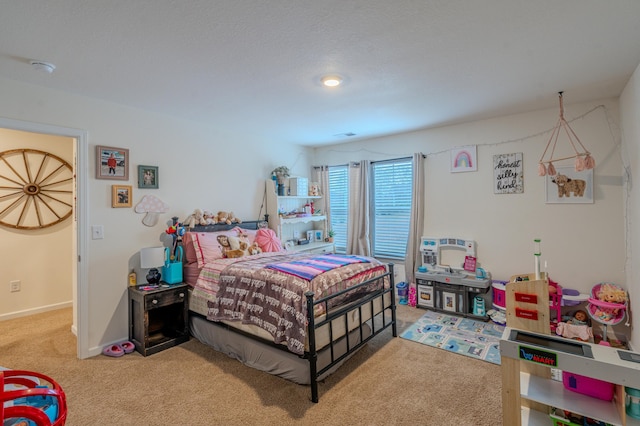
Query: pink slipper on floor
x=127, y=346
x=113, y=350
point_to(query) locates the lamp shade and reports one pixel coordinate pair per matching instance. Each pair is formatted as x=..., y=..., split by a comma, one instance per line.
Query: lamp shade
x=151, y=257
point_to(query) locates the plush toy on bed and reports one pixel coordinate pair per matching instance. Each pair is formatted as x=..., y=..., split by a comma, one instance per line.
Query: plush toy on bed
x=232, y=247
x=209, y=217
x=254, y=249
x=227, y=217
x=195, y=218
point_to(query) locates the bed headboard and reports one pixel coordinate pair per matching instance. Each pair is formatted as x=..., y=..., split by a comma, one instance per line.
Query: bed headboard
x=251, y=224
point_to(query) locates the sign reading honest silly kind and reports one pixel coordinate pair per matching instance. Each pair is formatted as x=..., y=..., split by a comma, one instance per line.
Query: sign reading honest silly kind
x=507, y=173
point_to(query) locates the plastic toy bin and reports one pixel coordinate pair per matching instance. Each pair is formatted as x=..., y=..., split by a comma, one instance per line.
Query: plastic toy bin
x=499, y=294
x=588, y=386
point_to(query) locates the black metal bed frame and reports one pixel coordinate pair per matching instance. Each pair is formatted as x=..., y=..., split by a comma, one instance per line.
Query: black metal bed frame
x=331, y=315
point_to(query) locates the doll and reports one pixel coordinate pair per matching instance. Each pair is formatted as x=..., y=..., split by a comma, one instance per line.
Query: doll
x=579, y=318
x=576, y=328
x=610, y=293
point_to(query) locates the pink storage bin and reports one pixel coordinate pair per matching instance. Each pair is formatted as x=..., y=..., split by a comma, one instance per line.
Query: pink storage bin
x=499, y=295
x=588, y=386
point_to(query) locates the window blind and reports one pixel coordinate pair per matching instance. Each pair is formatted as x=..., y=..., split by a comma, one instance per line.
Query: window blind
x=339, y=202
x=391, y=200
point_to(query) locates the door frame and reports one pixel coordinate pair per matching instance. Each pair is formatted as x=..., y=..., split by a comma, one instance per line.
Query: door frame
x=80, y=168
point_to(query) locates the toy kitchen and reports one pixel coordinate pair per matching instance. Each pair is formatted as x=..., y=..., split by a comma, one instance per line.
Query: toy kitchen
x=460, y=290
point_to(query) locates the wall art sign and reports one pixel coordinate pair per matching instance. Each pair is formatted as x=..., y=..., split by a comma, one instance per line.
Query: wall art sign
x=569, y=186
x=464, y=159
x=507, y=174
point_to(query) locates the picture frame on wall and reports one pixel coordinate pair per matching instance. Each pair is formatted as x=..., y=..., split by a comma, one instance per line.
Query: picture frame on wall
x=569, y=186
x=148, y=177
x=112, y=163
x=508, y=177
x=464, y=159
x=121, y=195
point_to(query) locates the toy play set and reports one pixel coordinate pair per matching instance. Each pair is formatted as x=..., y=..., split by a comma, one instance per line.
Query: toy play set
x=460, y=290
x=532, y=307
x=28, y=398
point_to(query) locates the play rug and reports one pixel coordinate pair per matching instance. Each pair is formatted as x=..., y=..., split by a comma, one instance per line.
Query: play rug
x=465, y=336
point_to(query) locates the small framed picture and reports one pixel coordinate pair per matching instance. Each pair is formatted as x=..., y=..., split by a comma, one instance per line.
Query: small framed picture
x=569, y=186
x=148, y=177
x=449, y=301
x=121, y=195
x=310, y=235
x=319, y=235
x=112, y=163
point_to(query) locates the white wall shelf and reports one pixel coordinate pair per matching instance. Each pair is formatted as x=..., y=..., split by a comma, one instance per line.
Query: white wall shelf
x=294, y=228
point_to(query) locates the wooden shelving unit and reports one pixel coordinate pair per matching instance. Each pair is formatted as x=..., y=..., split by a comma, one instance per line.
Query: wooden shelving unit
x=528, y=392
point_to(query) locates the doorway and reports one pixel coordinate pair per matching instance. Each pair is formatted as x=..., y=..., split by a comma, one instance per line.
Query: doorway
x=80, y=275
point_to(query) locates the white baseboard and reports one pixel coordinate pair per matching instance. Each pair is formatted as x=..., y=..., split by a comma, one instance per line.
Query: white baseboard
x=38, y=310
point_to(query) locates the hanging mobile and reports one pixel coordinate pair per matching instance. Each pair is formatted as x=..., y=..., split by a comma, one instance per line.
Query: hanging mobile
x=583, y=160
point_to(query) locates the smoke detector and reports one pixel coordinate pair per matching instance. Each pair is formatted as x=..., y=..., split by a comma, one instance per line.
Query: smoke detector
x=42, y=66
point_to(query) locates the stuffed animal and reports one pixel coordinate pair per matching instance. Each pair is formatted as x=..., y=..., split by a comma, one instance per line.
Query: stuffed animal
x=233, y=218
x=209, y=217
x=195, y=218
x=232, y=247
x=223, y=217
x=227, y=217
x=254, y=249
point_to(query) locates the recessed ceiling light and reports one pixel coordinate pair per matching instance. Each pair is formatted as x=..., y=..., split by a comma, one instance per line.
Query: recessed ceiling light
x=42, y=66
x=331, y=80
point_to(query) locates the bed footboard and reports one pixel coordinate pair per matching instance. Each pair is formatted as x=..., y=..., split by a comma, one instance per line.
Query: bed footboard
x=383, y=316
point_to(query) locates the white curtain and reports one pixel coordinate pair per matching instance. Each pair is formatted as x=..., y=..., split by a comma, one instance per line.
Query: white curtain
x=413, y=257
x=358, y=238
x=321, y=176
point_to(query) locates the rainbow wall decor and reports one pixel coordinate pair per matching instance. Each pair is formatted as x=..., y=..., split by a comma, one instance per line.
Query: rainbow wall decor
x=464, y=159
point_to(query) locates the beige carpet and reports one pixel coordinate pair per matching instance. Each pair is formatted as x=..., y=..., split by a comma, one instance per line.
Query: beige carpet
x=391, y=381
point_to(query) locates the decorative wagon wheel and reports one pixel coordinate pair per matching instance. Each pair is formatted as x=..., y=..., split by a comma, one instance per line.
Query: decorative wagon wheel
x=36, y=189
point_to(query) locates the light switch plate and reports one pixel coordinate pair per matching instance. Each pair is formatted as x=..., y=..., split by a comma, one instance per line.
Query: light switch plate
x=97, y=232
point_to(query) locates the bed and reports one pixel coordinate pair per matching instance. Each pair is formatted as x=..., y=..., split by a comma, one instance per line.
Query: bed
x=275, y=312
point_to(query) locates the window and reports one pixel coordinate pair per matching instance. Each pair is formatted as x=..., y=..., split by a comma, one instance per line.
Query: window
x=339, y=203
x=391, y=207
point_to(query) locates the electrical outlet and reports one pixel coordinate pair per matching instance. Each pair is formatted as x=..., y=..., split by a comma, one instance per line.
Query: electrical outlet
x=14, y=286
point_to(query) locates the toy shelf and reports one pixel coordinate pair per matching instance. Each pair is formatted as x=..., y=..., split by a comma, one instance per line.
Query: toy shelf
x=528, y=392
x=527, y=383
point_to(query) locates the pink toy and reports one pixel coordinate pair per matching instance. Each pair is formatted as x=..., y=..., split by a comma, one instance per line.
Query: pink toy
x=607, y=305
x=413, y=301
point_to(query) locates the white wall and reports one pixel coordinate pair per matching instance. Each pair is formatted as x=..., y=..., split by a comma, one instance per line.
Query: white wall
x=630, y=124
x=583, y=244
x=199, y=167
x=40, y=259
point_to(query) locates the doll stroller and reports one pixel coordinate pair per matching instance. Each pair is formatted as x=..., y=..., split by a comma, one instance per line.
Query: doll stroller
x=610, y=311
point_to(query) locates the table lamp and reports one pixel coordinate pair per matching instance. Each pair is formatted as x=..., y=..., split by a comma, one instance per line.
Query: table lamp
x=152, y=257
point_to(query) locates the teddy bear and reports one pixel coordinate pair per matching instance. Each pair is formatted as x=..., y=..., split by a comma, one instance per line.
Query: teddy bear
x=227, y=217
x=195, y=218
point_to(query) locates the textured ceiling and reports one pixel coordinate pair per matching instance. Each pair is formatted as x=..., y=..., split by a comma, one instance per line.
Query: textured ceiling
x=254, y=66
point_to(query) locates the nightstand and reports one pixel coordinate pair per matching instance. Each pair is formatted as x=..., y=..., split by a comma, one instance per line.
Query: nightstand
x=158, y=317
